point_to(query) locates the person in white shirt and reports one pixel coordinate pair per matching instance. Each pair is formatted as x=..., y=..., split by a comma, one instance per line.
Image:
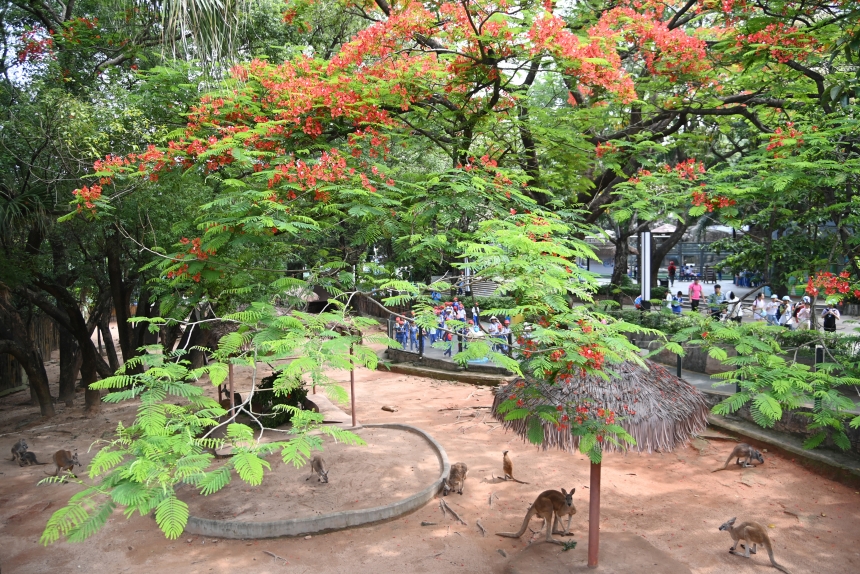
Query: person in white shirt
x=759, y=308
x=771, y=309
x=803, y=316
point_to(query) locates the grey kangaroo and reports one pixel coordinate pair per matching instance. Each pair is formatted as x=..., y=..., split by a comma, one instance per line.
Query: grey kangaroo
x=318, y=466
x=456, y=479
x=745, y=451
x=18, y=449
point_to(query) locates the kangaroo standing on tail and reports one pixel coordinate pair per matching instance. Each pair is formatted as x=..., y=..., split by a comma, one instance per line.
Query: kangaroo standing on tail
x=752, y=533
x=745, y=451
x=508, y=468
x=549, y=505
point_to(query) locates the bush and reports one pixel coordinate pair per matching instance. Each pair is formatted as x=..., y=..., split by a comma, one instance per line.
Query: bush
x=294, y=397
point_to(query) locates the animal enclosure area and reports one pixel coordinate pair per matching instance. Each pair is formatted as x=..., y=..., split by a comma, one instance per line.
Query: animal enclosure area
x=394, y=464
x=672, y=501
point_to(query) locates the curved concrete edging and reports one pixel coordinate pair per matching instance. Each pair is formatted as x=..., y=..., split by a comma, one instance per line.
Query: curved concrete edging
x=334, y=521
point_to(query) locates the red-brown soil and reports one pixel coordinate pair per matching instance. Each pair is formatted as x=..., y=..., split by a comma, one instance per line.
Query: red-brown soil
x=672, y=500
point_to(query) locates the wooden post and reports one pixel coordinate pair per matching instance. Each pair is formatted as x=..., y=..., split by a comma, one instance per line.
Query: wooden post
x=594, y=516
x=230, y=378
x=352, y=385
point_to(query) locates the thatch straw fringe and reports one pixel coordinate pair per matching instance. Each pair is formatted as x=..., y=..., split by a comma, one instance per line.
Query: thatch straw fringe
x=659, y=410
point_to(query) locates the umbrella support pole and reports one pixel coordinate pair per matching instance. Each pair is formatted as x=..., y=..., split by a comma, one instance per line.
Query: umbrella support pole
x=594, y=516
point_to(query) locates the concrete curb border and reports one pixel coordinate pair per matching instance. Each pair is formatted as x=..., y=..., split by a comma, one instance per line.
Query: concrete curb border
x=333, y=521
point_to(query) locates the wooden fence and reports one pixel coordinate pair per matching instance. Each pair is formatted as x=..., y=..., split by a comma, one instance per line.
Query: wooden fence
x=44, y=332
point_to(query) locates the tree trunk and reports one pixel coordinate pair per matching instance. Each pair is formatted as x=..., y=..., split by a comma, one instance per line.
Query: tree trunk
x=32, y=363
x=622, y=251
x=660, y=253
x=121, y=298
x=107, y=338
x=70, y=366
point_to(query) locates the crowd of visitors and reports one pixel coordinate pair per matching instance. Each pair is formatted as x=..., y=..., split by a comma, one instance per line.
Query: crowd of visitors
x=452, y=322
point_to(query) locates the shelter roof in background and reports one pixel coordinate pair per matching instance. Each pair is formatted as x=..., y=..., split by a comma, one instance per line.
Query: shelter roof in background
x=659, y=410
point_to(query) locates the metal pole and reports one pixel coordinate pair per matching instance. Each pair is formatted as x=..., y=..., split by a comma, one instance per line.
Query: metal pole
x=230, y=379
x=594, y=516
x=819, y=358
x=645, y=266
x=352, y=386
x=679, y=365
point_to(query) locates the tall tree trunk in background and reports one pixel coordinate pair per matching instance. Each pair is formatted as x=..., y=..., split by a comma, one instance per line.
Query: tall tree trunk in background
x=107, y=339
x=660, y=253
x=622, y=251
x=121, y=296
x=18, y=343
x=70, y=366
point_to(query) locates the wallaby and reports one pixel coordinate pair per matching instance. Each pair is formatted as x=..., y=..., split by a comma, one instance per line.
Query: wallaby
x=318, y=466
x=29, y=458
x=18, y=449
x=65, y=460
x=549, y=505
x=562, y=505
x=745, y=451
x=508, y=468
x=456, y=479
x=752, y=533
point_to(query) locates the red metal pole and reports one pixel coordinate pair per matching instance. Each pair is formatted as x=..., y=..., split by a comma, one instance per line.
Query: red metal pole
x=594, y=516
x=352, y=386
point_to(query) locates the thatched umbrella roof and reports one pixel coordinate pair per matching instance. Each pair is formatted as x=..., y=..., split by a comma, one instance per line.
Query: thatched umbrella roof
x=659, y=410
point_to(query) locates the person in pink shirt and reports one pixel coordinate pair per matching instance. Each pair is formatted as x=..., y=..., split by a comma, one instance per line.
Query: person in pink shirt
x=695, y=293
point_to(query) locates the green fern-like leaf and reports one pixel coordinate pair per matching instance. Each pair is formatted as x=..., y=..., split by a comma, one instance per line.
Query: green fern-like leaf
x=92, y=524
x=171, y=515
x=250, y=467
x=814, y=441
x=214, y=481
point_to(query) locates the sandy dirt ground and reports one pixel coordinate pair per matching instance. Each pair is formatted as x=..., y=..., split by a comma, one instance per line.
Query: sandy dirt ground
x=393, y=466
x=672, y=500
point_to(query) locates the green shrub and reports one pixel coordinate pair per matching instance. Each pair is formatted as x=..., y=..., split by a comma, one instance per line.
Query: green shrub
x=295, y=397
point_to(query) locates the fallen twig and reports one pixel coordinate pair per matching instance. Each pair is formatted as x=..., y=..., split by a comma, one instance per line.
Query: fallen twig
x=273, y=555
x=428, y=523
x=451, y=510
x=492, y=496
x=442, y=505
x=481, y=526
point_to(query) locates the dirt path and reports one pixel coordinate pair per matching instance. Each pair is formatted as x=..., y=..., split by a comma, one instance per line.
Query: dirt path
x=671, y=499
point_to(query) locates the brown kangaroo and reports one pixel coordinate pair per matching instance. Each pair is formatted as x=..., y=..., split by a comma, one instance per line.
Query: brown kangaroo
x=549, y=505
x=65, y=460
x=745, y=451
x=752, y=533
x=508, y=468
x=456, y=479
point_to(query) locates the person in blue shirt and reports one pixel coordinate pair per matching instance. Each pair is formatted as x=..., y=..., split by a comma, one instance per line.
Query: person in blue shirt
x=677, y=300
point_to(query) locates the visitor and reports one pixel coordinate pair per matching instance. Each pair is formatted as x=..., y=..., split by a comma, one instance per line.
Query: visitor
x=677, y=300
x=448, y=338
x=461, y=313
x=695, y=294
x=413, y=333
x=783, y=314
x=772, y=310
x=476, y=314
x=672, y=270
x=505, y=332
x=669, y=300
x=829, y=316
x=759, y=308
x=735, y=311
x=716, y=300
x=802, y=315
x=638, y=302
